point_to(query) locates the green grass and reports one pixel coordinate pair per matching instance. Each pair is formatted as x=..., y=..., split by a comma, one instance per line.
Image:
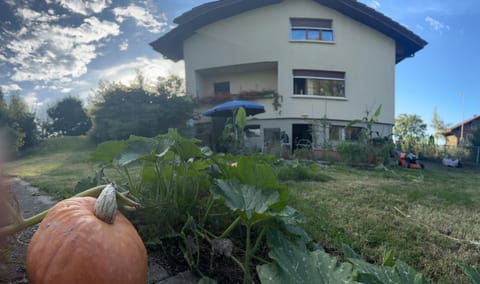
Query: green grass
x=56, y=165
x=430, y=219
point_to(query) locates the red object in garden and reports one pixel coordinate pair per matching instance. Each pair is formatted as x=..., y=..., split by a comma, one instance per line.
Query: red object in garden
x=408, y=161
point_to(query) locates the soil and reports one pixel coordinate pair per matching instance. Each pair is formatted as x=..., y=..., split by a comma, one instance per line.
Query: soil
x=30, y=202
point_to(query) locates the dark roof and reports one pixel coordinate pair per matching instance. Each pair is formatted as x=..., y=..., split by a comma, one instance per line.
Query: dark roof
x=171, y=44
x=449, y=131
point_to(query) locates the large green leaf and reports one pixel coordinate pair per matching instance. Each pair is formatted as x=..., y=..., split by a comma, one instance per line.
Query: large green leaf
x=254, y=172
x=138, y=147
x=184, y=148
x=400, y=273
x=293, y=263
x=252, y=203
x=472, y=273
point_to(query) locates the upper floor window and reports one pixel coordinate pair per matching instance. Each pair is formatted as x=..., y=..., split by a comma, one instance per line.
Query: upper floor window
x=221, y=88
x=319, y=83
x=311, y=29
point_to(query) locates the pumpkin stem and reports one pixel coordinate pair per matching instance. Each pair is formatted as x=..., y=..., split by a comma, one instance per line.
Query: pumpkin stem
x=106, y=204
x=19, y=223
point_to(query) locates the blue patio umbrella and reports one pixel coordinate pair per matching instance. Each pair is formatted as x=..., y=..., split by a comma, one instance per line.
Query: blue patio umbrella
x=228, y=108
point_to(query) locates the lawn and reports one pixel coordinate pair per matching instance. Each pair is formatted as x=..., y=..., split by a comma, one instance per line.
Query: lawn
x=428, y=218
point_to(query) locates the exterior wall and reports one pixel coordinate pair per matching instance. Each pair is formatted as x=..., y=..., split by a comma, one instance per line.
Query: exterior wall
x=366, y=56
x=241, y=82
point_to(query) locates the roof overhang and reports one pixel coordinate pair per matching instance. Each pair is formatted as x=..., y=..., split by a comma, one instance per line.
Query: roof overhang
x=171, y=44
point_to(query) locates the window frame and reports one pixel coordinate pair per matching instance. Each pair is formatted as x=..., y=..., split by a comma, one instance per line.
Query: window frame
x=312, y=25
x=221, y=85
x=321, y=76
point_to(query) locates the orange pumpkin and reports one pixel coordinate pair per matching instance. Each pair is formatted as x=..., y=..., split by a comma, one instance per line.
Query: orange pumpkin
x=73, y=246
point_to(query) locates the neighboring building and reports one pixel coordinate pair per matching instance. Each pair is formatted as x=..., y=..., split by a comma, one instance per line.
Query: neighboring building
x=453, y=134
x=315, y=65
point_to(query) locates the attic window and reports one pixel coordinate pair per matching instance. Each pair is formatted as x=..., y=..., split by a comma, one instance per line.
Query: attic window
x=307, y=29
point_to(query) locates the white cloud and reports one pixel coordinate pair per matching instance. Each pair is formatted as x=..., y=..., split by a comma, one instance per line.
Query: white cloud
x=52, y=52
x=373, y=4
x=142, y=17
x=436, y=25
x=151, y=69
x=124, y=45
x=33, y=102
x=83, y=7
x=10, y=88
x=34, y=16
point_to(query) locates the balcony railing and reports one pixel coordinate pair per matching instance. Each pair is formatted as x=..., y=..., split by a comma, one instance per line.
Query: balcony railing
x=244, y=95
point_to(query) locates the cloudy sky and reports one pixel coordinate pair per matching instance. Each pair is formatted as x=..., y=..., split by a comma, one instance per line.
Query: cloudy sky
x=53, y=48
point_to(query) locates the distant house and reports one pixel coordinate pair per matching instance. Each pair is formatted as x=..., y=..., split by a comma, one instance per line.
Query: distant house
x=453, y=134
x=316, y=65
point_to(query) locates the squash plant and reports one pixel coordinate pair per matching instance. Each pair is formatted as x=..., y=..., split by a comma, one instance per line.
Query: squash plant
x=233, y=203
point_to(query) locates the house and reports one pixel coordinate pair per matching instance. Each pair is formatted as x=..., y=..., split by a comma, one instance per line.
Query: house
x=316, y=65
x=466, y=128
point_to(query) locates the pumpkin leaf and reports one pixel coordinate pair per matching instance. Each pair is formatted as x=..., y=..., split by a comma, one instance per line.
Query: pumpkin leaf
x=254, y=172
x=206, y=280
x=399, y=273
x=472, y=273
x=184, y=148
x=293, y=263
x=251, y=203
x=138, y=147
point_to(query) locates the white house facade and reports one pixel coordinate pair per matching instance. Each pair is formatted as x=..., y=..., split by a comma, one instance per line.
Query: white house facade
x=315, y=65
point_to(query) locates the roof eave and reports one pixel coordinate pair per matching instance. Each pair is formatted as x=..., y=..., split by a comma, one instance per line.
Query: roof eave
x=171, y=44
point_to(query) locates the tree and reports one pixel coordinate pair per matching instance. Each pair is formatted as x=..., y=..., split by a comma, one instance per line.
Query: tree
x=17, y=123
x=69, y=118
x=171, y=86
x=120, y=111
x=410, y=129
x=438, y=124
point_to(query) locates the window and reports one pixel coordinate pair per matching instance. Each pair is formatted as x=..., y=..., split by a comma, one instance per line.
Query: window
x=221, y=88
x=353, y=133
x=335, y=133
x=319, y=83
x=311, y=29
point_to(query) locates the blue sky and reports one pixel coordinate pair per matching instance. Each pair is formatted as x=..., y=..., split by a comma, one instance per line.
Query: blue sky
x=53, y=48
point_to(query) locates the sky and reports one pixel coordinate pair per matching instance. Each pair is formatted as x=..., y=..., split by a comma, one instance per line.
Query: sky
x=53, y=48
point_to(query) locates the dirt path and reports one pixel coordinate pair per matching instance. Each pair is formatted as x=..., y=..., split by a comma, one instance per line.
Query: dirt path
x=31, y=202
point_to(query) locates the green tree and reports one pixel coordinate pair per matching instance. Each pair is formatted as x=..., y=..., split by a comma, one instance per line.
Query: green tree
x=69, y=118
x=438, y=124
x=410, y=129
x=171, y=86
x=17, y=123
x=120, y=111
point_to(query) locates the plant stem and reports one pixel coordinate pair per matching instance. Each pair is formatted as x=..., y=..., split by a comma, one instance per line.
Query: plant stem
x=246, y=278
x=93, y=192
x=209, y=207
x=230, y=228
x=259, y=240
x=130, y=181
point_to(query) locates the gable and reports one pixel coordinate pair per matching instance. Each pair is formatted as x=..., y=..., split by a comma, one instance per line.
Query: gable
x=171, y=44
